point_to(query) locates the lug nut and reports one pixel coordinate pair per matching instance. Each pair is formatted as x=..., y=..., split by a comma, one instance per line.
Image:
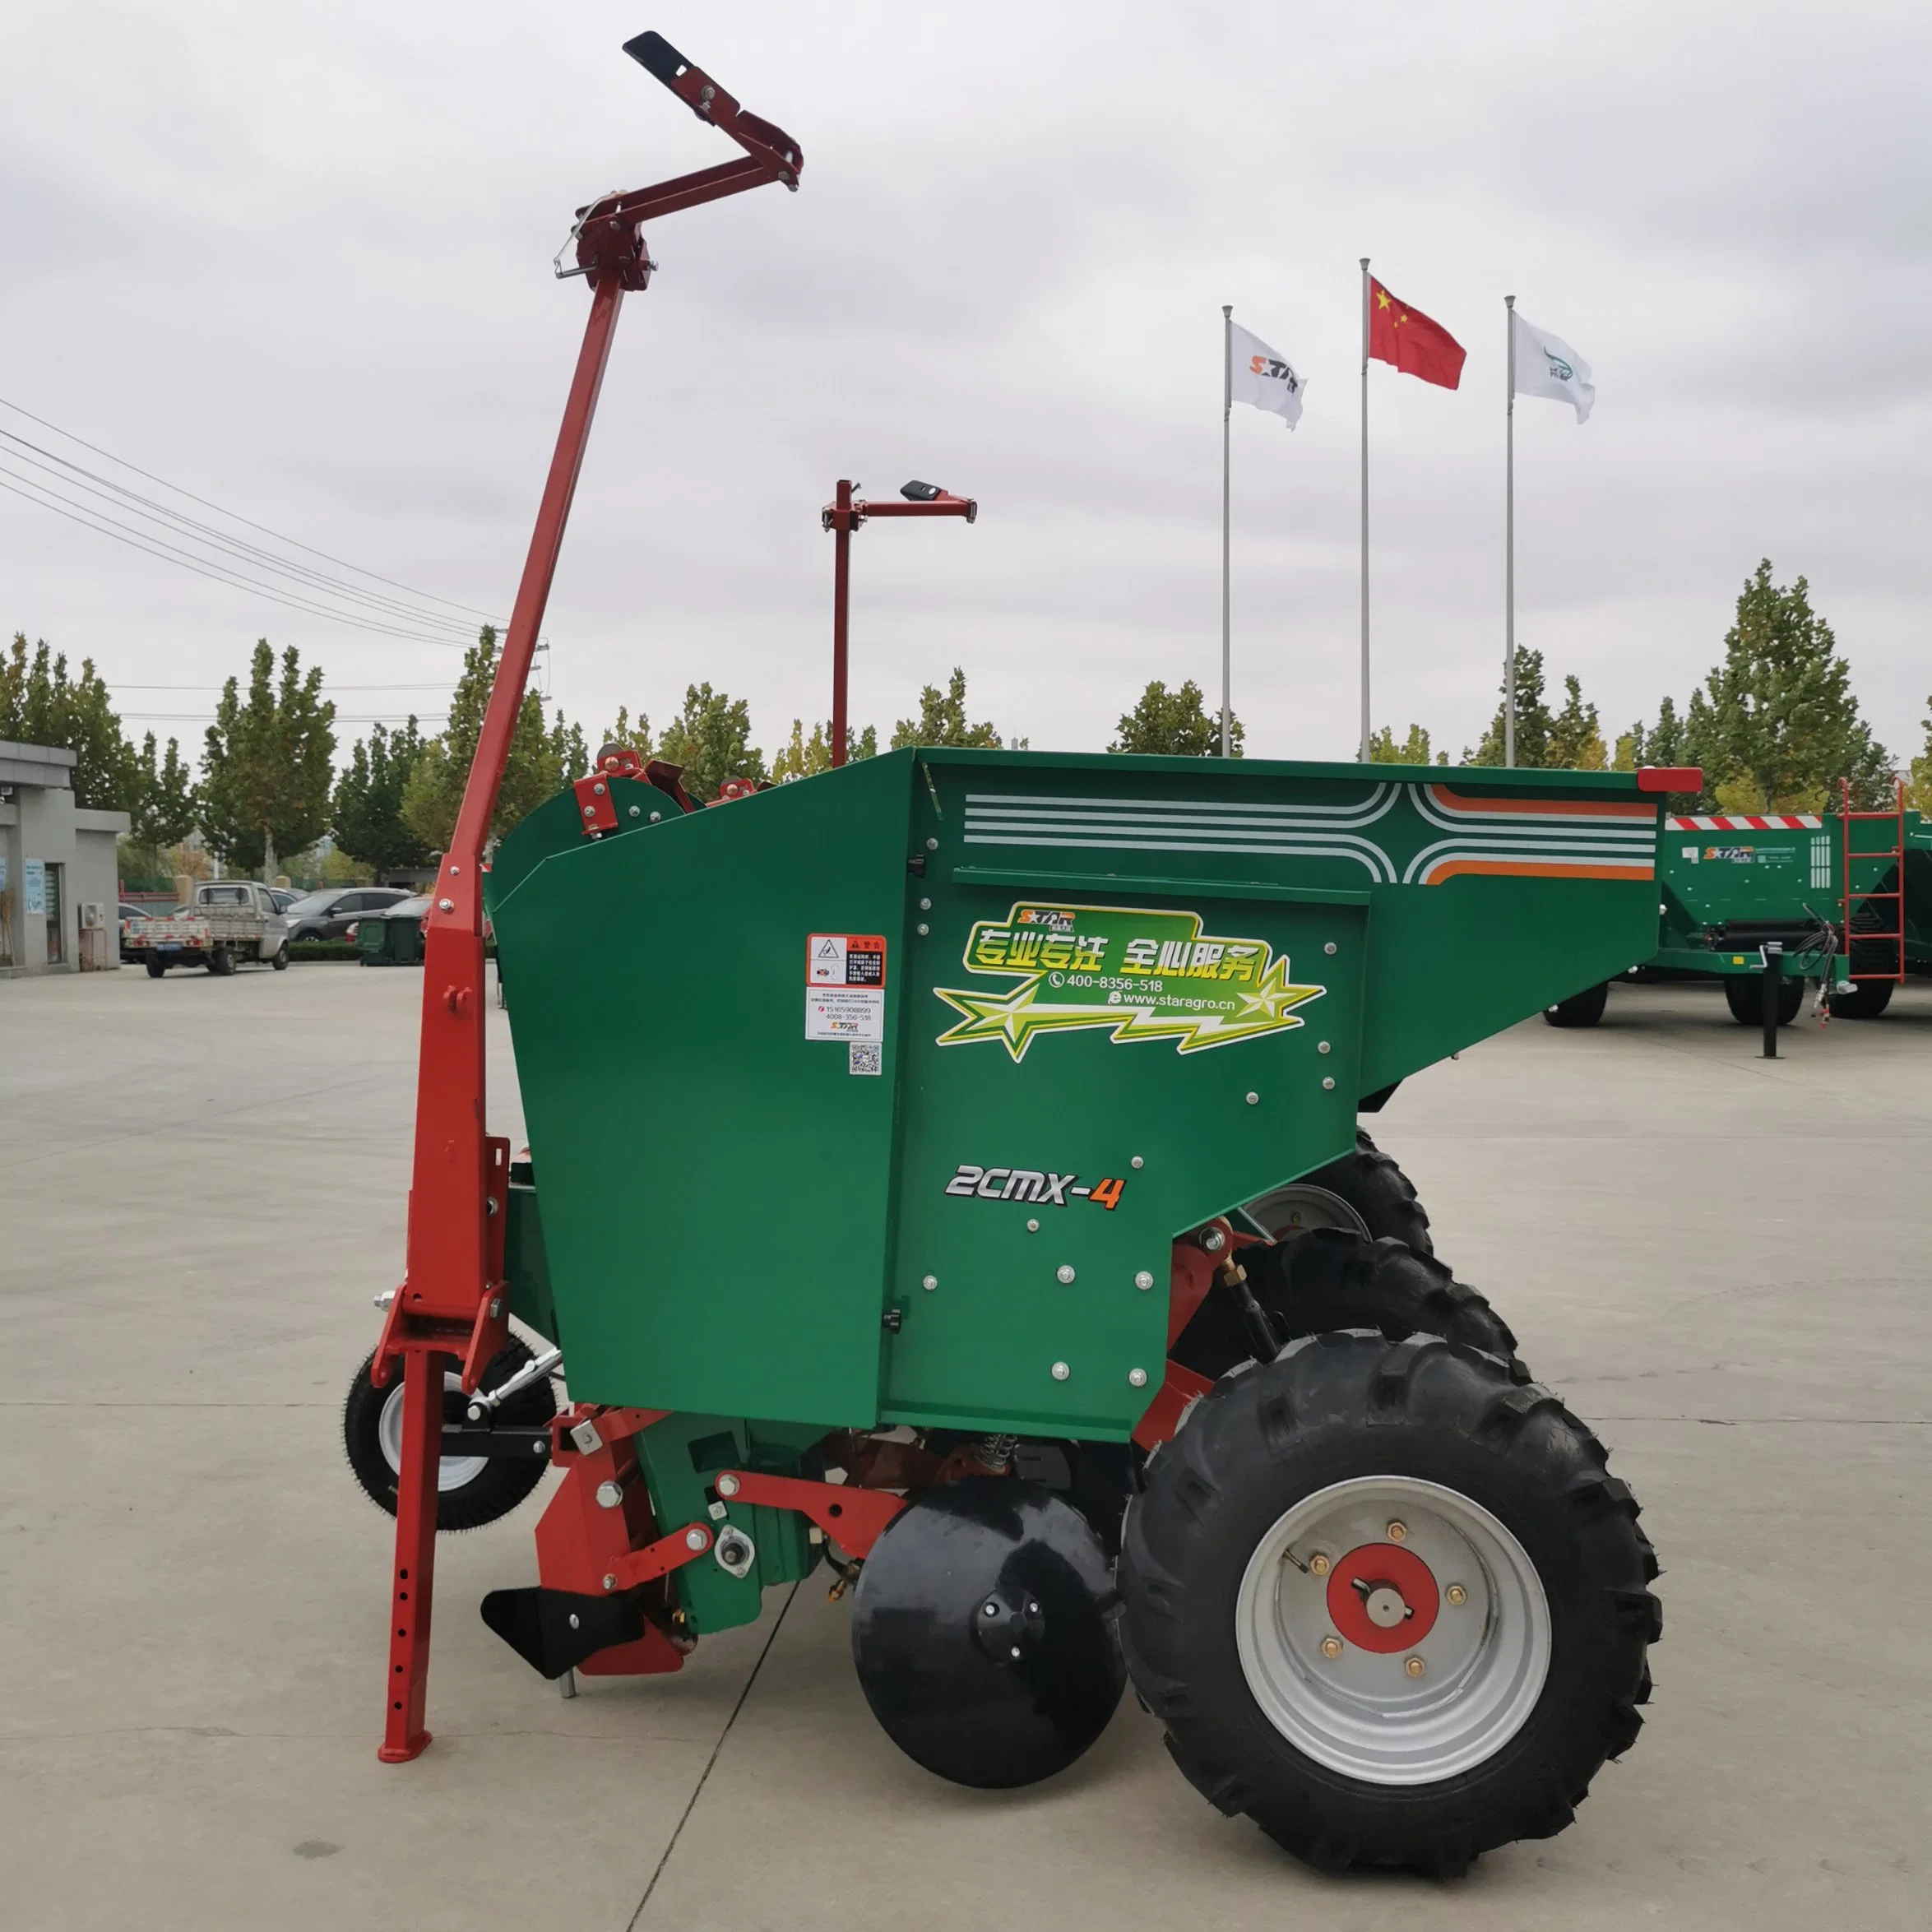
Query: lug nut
x=1213, y=1239
x=696, y=1538
x=1414, y=1666
x=1317, y=1564
x=609, y=1495
x=1398, y=1532
x=727, y=1486
x=1330, y=1646
x=1457, y=1595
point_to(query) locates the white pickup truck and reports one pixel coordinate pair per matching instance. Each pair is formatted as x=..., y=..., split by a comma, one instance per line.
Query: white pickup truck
x=231, y=919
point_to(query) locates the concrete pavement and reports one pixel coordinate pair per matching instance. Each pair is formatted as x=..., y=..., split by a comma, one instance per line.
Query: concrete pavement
x=1720, y=1262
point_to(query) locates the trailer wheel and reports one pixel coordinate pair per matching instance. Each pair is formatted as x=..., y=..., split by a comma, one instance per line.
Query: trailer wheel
x=1389, y=1603
x=471, y=1490
x=1866, y=1000
x=1581, y=1009
x=1329, y=1279
x=1365, y=1192
x=1745, y=997
x=157, y=968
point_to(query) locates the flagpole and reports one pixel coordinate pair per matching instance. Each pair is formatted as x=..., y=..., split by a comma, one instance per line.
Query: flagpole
x=1509, y=548
x=1366, y=726
x=1227, y=406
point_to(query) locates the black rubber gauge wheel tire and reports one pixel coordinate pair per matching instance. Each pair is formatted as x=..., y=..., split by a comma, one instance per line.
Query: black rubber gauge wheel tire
x=1326, y=1279
x=472, y=1489
x=1745, y=997
x=1867, y=999
x=1389, y=1603
x=1581, y=1009
x=1364, y=1192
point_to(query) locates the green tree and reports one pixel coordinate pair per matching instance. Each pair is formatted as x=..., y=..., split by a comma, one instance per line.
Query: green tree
x=165, y=805
x=1784, y=722
x=366, y=816
x=1176, y=724
x=1384, y=749
x=710, y=740
x=634, y=735
x=1575, y=742
x=266, y=770
x=803, y=756
x=40, y=704
x=943, y=720
x=544, y=756
x=1533, y=720
x=1920, y=787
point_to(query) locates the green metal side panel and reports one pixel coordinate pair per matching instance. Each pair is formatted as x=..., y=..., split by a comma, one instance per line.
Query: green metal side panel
x=1101, y=961
x=716, y=1187
x=526, y=1267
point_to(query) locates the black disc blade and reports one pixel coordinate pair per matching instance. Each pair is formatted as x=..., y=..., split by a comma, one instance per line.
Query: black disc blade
x=983, y=1631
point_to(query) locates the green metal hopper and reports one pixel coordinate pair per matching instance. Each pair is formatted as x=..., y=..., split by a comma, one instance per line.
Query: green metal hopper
x=871, y=1097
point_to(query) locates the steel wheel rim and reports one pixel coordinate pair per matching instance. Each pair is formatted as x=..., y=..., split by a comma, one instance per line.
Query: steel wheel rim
x=451, y=1471
x=1484, y=1660
x=1300, y=1206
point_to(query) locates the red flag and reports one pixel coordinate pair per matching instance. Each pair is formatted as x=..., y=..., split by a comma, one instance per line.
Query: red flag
x=1407, y=338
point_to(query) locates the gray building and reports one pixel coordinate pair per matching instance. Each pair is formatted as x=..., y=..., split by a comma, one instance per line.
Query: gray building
x=60, y=886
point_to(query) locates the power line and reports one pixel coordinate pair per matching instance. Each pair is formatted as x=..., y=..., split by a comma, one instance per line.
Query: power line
x=235, y=516
x=174, y=523
x=139, y=540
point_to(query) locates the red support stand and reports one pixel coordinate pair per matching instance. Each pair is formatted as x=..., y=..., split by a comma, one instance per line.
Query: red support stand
x=453, y=1302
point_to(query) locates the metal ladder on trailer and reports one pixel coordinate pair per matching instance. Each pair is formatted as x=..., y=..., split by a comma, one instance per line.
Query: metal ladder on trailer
x=1874, y=905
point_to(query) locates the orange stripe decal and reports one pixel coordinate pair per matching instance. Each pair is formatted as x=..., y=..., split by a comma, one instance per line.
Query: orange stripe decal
x=1636, y=813
x=1531, y=868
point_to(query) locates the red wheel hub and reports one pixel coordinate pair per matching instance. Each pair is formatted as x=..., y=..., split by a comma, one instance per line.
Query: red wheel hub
x=1383, y=1598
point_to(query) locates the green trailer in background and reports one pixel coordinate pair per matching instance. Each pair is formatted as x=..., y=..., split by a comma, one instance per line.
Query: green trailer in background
x=1767, y=903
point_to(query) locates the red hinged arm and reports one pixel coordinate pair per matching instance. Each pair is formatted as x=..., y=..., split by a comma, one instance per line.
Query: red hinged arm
x=451, y=1303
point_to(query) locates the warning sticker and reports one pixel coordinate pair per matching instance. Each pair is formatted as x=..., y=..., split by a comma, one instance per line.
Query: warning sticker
x=844, y=959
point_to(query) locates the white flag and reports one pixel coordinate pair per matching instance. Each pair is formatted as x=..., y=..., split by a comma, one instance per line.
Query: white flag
x=1256, y=374
x=1546, y=365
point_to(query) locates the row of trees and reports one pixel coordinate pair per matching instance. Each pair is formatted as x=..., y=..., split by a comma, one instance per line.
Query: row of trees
x=1773, y=726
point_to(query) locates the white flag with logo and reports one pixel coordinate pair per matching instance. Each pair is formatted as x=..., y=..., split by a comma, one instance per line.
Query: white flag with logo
x=1256, y=374
x=1546, y=365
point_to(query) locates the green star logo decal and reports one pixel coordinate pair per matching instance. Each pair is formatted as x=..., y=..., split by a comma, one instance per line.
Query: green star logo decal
x=1139, y=973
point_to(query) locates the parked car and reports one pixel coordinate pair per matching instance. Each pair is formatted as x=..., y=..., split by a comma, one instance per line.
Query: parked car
x=284, y=896
x=329, y=914
x=229, y=921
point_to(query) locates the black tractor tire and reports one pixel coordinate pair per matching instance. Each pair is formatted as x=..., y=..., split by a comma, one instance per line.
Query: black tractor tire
x=280, y=961
x=494, y=1489
x=1366, y=1191
x=1867, y=1000
x=1337, y=1408
x=1745, y=997
x=1581, y=1009
x=157, y=969
x=221, y=962
x=1327, y=1279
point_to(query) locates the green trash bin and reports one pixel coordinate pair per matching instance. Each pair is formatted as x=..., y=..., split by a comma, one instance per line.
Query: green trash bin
x=393, y=938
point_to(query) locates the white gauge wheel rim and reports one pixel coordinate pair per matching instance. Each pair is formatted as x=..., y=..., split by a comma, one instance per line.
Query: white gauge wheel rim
x=1484, y=1661
x=451, y=1471
x=1300, y=1206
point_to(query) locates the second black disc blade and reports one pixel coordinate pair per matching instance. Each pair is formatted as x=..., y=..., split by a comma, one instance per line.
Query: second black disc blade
x=982, y=1631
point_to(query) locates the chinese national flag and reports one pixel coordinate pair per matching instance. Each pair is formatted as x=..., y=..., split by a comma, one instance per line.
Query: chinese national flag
x=1407, y=338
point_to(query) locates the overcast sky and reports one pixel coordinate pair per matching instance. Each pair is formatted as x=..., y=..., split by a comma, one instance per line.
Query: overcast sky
x=296, y=258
